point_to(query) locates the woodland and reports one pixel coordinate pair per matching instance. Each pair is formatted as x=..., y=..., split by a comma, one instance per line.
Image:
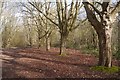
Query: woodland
x=60, y=39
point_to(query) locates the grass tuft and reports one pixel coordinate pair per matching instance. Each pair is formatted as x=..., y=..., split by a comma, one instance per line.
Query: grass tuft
x=113, y=69
x=63, y=54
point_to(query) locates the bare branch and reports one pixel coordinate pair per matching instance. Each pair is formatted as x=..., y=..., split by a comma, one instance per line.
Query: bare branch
x=97, y=11
x=43, y=13
x=116, y=7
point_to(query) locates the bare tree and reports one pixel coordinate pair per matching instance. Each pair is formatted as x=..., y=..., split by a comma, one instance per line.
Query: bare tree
x=7, y=31
x=66, y=19
x=28, y=27
x=43, y=30
x=100, y=19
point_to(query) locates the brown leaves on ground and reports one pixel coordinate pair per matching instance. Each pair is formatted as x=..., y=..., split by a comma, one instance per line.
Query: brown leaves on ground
x=38, y=63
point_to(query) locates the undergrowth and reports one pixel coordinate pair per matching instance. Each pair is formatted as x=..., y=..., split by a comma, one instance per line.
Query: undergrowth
x=113, y=69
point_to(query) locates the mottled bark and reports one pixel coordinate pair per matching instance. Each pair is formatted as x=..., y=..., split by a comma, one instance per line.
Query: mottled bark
x=119, y=32
x=105, y=54
x=103, y=30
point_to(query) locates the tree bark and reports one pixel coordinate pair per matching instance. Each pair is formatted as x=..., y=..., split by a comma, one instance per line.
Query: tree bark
x=103, y=30
x=30, y=41
x=39, y=43
x=94, y=39
x=108, y=60
x=102, y=42
x=47, y=43
x=63, y=43
x=119, y=33
x=108, y=34
x=105, y=54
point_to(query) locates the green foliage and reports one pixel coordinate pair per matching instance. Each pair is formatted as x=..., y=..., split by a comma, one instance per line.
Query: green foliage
x=6, y=35
x=19, y=40
x=113, y=69
x=90, y=51
x=63, y=54
x=117, y=55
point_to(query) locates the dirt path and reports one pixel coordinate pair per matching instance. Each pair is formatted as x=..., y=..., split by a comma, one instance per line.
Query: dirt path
x=37, y=63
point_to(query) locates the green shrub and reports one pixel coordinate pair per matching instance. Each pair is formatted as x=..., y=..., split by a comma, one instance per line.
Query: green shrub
x=117, y=55
x=90, y=51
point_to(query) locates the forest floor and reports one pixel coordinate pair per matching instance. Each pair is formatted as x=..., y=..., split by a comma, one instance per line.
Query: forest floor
x=38, y=63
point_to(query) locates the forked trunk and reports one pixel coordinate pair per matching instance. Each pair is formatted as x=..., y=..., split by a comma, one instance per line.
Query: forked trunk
x=103, y=29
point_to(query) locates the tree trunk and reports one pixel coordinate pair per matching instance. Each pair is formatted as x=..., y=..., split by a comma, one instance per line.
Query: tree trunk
x=39, y=43
x=30, y=42
x=30, y=37
x=39, y=39
x=118, y=52
x=119, y=34
x=105, y=54
x=47, y=43
x=108, y=62
x=103, y=29
x=63, y=43
x=94, y=40
x=102, y=48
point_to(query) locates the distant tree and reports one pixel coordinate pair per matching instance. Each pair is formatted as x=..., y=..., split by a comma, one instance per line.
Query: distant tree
x=28, y=28
x=7, y=32
x=9, y=22
x=41, y=23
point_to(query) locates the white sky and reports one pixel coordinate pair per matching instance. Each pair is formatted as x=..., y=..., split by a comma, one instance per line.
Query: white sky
x=53, y=0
